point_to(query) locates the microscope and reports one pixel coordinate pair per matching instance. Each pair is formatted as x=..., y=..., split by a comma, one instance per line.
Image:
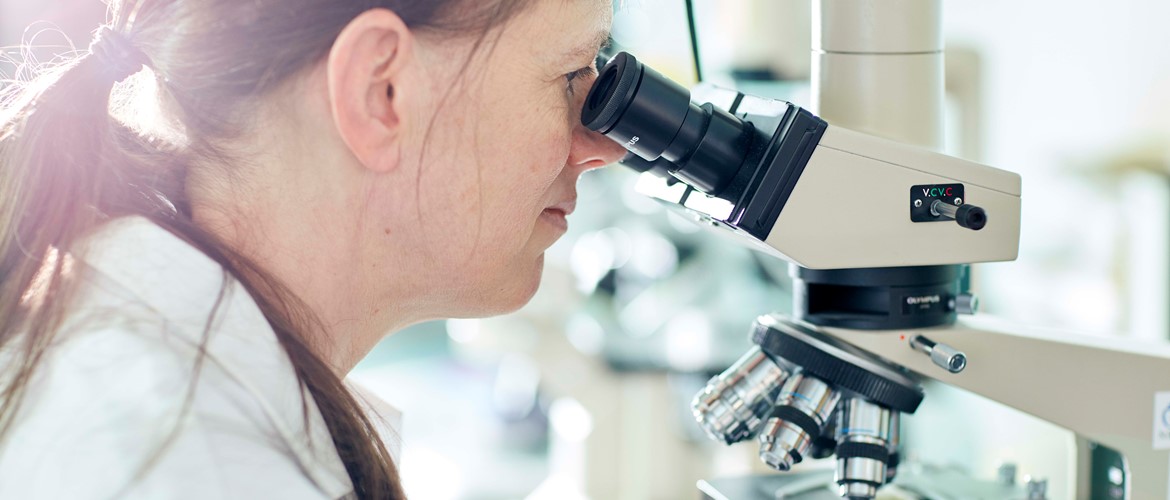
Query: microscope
x=879, y=232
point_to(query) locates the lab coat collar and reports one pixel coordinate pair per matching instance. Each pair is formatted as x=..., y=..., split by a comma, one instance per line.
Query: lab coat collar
x=183, y=285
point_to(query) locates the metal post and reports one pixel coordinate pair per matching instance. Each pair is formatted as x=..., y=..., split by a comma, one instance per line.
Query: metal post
x=877, y=67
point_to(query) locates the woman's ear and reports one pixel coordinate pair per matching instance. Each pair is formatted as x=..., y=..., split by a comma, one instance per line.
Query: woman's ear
x=365, y=72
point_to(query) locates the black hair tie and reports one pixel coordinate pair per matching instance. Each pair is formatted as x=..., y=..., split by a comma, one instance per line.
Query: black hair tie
x=120, y=58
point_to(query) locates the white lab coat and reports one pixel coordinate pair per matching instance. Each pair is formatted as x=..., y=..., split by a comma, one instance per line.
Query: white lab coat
x=112, y=388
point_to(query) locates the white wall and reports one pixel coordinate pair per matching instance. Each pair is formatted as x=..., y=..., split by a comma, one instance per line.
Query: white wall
x=1068, y=85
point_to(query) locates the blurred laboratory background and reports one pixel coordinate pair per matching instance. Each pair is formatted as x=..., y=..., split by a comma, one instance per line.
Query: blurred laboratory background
x=585, y=392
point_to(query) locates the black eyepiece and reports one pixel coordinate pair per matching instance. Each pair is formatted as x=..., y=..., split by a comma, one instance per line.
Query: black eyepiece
x=653, y=117
x=602, y=94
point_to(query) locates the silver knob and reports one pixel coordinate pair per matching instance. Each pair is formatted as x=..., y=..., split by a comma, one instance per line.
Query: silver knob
x=945, y=356
x=966, y=303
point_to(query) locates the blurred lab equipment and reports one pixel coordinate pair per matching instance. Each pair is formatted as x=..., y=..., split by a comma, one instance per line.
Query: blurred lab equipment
x=879, y=229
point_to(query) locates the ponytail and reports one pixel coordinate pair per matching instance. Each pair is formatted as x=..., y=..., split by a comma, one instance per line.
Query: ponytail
x=57, y=144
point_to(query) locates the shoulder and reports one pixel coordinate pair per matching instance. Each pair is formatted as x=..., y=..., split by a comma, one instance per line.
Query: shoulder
x=148, y=386
x=108, y=415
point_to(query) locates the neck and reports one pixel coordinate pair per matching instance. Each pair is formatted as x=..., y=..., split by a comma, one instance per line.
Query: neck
x=299, y=229
x=335, y=234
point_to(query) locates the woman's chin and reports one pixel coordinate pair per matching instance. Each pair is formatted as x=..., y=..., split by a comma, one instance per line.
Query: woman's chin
x=514, y=292
x=525, y=288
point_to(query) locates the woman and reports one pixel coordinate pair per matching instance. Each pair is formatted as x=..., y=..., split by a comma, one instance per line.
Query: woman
x=185, y=283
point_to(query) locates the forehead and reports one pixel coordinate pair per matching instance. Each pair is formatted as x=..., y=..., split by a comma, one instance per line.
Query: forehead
x=554, y=28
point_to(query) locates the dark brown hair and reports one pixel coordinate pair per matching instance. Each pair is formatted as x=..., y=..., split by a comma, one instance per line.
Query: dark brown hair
x=67, y=166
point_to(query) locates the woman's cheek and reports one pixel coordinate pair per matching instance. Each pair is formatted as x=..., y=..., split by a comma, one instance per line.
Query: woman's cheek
x=546, y=158
x=560, y=142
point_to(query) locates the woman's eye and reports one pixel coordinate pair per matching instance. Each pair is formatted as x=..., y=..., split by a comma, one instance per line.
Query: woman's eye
x=577, y=75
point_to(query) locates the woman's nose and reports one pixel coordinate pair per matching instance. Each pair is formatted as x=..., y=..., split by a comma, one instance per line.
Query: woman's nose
x=590, y=149
x=593, y=150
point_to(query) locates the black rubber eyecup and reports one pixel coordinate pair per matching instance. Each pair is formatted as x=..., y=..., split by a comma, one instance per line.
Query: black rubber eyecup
x=611, y=93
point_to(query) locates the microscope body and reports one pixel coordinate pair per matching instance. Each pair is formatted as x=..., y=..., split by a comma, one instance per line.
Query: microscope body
x=826, y=197
x=851, y=202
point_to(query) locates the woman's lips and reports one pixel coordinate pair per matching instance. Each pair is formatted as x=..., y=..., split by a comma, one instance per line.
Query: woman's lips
x=556, y=217
x=565, y=207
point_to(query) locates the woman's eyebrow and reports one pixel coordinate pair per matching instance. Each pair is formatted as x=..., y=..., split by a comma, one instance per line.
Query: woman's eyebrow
x=596, y=43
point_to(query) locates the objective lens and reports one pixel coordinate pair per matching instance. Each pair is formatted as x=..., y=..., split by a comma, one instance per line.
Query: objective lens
x=863, y=448
x=894, y=441
x=733, y=405
x=653, y=117
x=802, y=409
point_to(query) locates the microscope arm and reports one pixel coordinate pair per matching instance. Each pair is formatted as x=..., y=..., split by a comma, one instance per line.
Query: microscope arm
x=1101, y=389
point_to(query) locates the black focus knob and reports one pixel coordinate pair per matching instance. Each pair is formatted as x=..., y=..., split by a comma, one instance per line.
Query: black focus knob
x=968, y=216
x=971, y=217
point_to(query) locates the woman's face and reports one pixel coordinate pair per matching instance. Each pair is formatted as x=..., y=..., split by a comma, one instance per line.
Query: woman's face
x=497, y=168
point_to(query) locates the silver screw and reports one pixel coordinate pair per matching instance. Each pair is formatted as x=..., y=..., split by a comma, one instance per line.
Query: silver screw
x=917, y=203
x=958, y=201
